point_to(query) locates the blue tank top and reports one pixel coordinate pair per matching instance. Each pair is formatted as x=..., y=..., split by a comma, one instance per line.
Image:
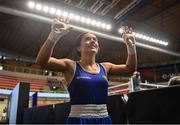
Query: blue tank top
x=88, y=88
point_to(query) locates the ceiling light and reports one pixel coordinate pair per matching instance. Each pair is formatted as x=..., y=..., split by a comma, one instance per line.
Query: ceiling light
x=31, y=4
x=140, y=36
x=52, y=11
x=38, y=6
x=147, y=38
x=166, y=43
x=82, y=19
x=103, y=25
x=65, y=14
x=45, y=8
x=71, y=16
x=120, y=30
x=93, y=22
x=59, y=12
x=88, y=21
x=108, y=27
x=77, y=17
x=98, y=24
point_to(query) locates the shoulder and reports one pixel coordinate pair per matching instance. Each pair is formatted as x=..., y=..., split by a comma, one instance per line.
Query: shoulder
x=70, y=69
x=65, y=61
x=107, y=66
x=66, y=64
x=69, y=63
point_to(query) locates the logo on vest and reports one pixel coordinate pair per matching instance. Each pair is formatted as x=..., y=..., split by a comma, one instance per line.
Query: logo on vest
x=83, y=77
x=104, y=77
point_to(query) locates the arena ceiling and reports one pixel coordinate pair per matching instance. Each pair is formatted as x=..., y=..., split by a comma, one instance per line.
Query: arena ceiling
x=22, y=37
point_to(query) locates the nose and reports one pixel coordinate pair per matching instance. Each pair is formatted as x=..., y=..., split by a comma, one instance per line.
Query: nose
x=92, y=40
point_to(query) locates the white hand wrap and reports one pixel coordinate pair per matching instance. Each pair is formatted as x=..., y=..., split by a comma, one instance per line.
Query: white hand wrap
x=53, y=36
x=131, y=49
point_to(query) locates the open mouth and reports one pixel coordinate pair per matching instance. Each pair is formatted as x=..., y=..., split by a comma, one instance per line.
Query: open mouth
x=93, y=46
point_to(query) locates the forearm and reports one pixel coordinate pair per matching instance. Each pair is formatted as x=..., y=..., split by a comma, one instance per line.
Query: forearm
x=47, y=49
x=132, y=58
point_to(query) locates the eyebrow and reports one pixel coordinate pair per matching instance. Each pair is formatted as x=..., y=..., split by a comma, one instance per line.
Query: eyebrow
x=91, y=37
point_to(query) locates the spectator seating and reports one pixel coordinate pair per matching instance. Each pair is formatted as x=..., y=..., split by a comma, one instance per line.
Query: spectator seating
x=9, y=82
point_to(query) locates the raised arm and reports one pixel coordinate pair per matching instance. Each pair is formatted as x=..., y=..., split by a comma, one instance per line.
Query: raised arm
x=44, y=59
x=131, y=63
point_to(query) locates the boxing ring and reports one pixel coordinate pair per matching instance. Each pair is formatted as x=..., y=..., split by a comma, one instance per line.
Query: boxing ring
x=125, y=88
x=155, y=104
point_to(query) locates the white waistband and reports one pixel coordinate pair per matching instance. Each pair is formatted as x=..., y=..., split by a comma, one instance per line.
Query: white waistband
x=89, y=111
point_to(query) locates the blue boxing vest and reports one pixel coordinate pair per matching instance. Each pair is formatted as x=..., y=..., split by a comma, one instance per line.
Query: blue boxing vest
x=88, y=88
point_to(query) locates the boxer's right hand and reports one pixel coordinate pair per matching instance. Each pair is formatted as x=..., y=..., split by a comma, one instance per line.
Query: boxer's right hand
x=60, y=25
x=59, y=28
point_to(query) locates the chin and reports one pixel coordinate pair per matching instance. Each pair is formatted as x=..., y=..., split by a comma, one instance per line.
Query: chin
x=92, y=52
